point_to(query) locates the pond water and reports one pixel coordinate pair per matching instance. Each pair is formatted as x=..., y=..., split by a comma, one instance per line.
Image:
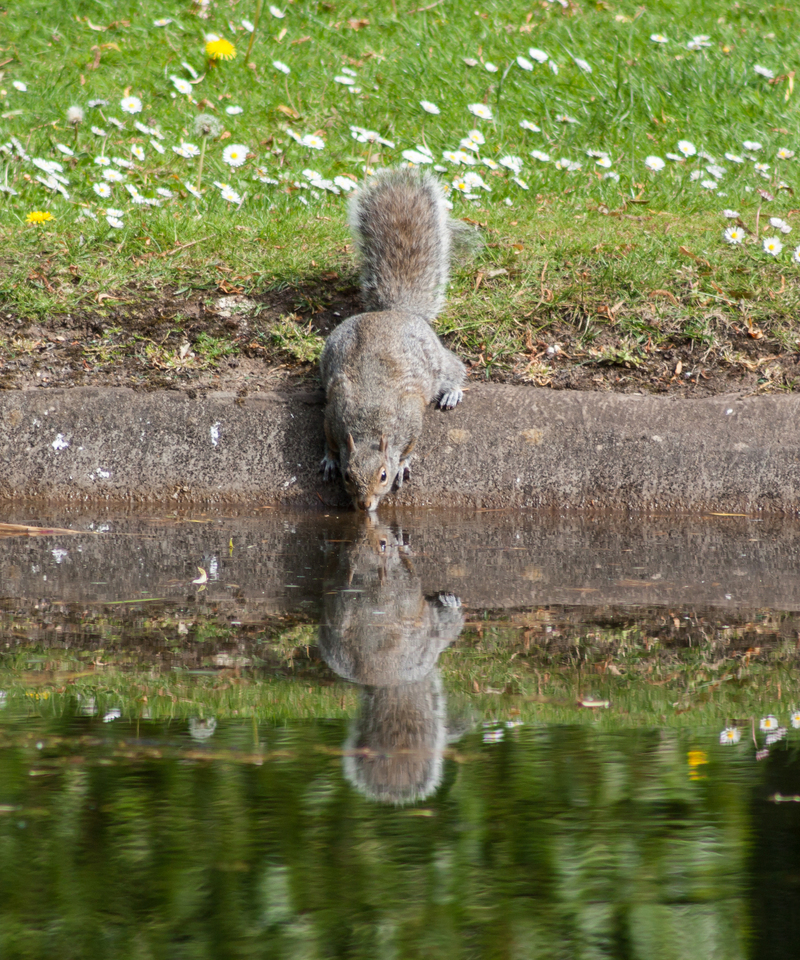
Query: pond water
x=487, y=735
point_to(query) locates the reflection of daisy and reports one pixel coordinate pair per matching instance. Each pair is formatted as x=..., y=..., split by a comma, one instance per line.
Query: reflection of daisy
x=102, y=189
x=687, y=148
x=734, y=235
x=770, y=722
x=480, y=110
x=429, y=107
x=730, y=735
x=795, y=717
x=130, y=105
x=654, y=163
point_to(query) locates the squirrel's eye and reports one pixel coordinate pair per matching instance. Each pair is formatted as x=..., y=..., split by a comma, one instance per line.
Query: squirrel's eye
x=383, y=476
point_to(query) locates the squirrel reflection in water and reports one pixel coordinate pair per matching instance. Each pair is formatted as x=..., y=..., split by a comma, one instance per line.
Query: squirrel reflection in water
x=380, y=631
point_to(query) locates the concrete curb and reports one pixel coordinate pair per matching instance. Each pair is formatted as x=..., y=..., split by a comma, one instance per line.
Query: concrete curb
x=503, y=447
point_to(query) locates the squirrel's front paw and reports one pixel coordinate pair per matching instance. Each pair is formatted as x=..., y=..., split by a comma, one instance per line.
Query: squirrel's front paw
x=450, y=398
x=402, y=475
x=449, y=600
x=328, y=468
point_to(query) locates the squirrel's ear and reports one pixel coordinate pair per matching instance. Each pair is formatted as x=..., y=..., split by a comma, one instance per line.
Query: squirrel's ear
x=384, y=444
x=350, y=442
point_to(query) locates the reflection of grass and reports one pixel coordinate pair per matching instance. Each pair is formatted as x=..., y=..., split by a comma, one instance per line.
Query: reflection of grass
x=525, y=669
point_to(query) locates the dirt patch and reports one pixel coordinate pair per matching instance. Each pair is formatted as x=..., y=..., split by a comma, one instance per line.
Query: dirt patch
x=223, y=339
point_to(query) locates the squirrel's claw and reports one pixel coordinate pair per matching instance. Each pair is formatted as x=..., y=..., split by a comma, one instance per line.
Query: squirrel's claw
x=450, y=398
x=328, y=468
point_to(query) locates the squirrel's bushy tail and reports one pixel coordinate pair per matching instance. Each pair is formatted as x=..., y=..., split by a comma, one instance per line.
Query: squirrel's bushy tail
x=403, y=232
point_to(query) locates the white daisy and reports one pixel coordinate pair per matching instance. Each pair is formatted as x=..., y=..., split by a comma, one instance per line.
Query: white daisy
x=764, y=72
x=102, y=189
x=416, y=157
x=752, y=145
x=698, y=41
x=277, y=12
x=19, y=85
x=476, y=137
x=654, y=163
x=115, y=222
x=157, y=146
x=429, y=107
x=540, y=155
x=137, y=151
x=687, y=148
x=280, y=65
x=582, y=65
x=490, y=67
x=491, y=164
x=480, y=110
x=520, y=182
x=785, y=154
x=604, y=162
x=99, y=132
x=796, y=259
x=761, y=167
x=734, y=158
x=730, y=214
x=511, y=163
x=249, y=27
x=181, y=85
x=779, y=224
x=234, y=111
x=164, y=192
x=346, y=81
x=193, y=191
x=113, y=175
x=229, y=194
x=538, y=55
x=235, y=155
x=565, y=118
x=63, y=148
x=187, y=150
x=734, y=236
x=162, y=21
x=313, y=141
x=524, y=63
x=102, y=161
x=130, y=105
x=659, y=38
x=528, y=125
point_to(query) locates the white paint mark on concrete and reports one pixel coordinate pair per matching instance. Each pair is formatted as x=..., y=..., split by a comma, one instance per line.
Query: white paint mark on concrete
x=60, y=443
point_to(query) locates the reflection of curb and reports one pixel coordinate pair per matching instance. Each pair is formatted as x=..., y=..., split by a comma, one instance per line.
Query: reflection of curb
x=504, y=446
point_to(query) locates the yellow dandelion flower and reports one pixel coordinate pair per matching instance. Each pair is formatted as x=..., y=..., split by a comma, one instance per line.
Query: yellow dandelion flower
x=39, y=216
x=221, y=49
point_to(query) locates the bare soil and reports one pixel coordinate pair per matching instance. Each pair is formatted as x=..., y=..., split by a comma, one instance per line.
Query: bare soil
x=221, y=339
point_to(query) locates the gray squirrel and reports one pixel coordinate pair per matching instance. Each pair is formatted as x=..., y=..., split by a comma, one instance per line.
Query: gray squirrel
x=381, y=368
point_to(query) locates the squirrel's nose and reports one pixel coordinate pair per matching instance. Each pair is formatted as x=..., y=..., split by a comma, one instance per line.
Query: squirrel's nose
x=368, y=506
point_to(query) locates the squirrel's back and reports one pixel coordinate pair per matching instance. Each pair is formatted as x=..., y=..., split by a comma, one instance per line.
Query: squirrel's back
x=402, y=230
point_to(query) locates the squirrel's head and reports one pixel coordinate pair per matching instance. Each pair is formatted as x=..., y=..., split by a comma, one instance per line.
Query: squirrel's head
x=369, y=471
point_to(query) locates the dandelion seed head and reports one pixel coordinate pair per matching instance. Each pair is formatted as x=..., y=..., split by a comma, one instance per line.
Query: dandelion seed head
x=207, y=125
x=74, y=115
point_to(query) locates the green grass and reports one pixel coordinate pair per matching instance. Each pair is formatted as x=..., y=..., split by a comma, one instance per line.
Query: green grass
x=614, y=269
